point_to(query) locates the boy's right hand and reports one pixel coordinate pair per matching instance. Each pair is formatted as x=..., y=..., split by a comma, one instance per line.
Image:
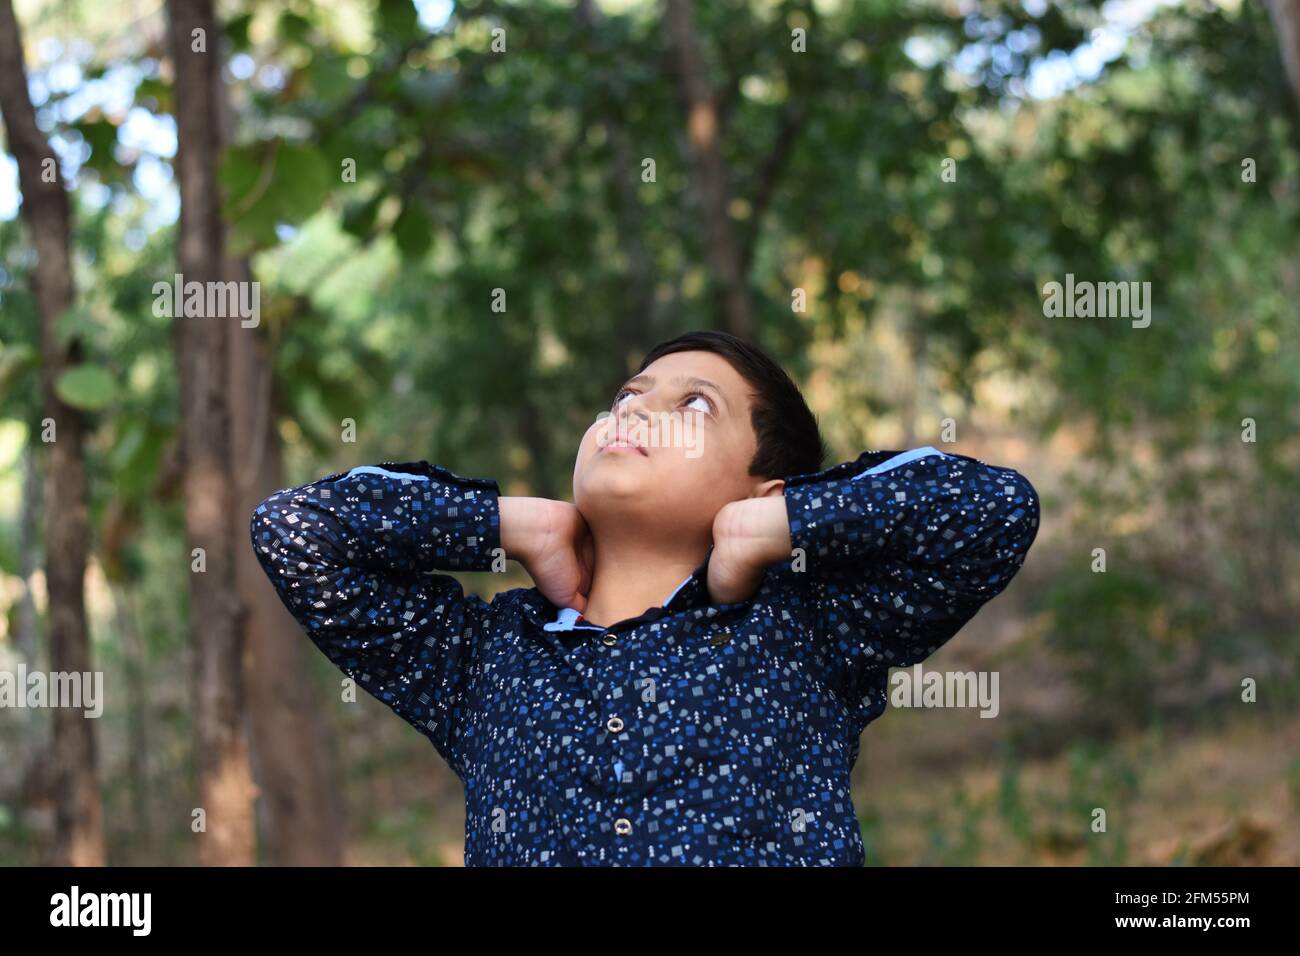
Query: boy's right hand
x=553, y=543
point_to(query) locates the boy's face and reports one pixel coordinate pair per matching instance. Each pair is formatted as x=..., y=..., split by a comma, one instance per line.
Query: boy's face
x=689, y=413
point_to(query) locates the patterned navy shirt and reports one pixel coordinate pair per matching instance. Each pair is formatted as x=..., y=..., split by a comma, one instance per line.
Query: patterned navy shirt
x=693, y=734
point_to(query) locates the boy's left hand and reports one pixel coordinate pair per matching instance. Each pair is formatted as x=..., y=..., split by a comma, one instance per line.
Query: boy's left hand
x=748, y=535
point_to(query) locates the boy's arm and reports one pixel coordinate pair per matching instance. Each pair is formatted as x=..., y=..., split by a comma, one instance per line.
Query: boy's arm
x=350, y=556
x=906, y=549
x=900, y=549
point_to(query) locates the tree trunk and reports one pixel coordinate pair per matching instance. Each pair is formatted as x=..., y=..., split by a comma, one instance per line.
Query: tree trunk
x=26, y=627
x=536, y=438
x=46, y=209
x=225, y=785
x=300, y=808
x=723, y=250
x=1286, y=20
x=640, y=323
x=135, y=673
x=301, y=805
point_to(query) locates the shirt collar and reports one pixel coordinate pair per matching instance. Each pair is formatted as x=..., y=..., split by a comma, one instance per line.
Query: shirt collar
x=692, y=592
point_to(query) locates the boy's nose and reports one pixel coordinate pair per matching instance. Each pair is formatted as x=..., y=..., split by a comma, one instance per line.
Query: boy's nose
x=633, y=407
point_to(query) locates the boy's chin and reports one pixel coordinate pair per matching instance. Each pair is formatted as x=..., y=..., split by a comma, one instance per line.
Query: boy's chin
x=613, y=485
x=619, y=500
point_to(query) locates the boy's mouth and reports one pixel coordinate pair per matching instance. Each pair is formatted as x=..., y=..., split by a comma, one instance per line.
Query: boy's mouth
x=624, y=445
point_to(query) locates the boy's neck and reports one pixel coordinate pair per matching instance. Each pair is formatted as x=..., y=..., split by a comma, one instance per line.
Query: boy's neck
x=631, y=576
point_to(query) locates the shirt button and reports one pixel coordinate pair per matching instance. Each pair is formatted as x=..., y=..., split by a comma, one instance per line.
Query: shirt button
x=615, y=724
x=622, y=826
x=721, y=637
x=608, y=639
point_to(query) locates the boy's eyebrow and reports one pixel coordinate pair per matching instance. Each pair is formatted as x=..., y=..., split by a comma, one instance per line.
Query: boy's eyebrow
x=680, y=380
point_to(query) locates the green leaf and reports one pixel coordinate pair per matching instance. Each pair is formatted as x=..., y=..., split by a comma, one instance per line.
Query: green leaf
x=75, y=322
x=359, y=217
x=101, y=136
x=85, y=387
x=413, y=231
x=398, y=20
x=154, y=95
x=14, y=361
x=328, y=78
x=268, y=183
x=237, y=29
x=136, y=455
x=302, y=183
x=294, y=27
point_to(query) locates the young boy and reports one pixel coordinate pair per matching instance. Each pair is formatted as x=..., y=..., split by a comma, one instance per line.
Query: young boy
x=712, y=626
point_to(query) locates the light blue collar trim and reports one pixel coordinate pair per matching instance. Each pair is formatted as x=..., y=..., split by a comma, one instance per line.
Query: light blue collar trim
x=566, y=618
x=564, y=621
x=678, y=588
x=372, y=470
x=899, y=460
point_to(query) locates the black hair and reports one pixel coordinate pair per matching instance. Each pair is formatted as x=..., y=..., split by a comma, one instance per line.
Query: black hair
x=789, y=439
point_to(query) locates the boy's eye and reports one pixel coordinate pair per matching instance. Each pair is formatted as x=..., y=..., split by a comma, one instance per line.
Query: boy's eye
x=706, y=407
x=705, y=403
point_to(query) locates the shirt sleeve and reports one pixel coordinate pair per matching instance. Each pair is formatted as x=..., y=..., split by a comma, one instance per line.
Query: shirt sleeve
x=354, y=556
x=902, y=549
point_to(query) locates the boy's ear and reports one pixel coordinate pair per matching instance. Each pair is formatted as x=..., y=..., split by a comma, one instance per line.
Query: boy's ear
x=775, y=486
